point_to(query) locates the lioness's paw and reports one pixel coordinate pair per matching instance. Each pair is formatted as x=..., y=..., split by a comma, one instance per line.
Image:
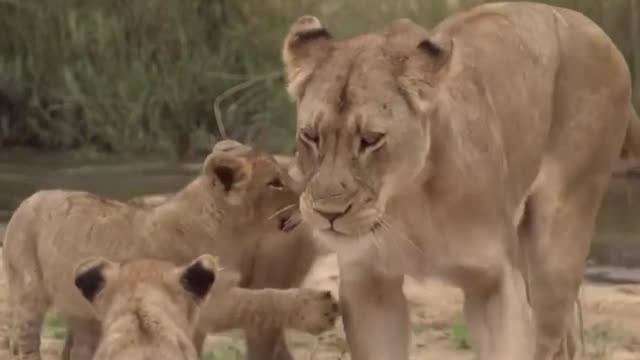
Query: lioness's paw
x=316, y=312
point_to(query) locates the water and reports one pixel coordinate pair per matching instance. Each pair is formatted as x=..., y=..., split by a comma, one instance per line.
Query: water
x=22, y=174
x=617, y=241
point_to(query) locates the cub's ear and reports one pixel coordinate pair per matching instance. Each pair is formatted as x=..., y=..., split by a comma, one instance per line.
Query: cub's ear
x=307, y=43
x=284, y=161
x=198, y=277
x=231, y=147
x=231, y=172
x=90, y=275
x=290, y=166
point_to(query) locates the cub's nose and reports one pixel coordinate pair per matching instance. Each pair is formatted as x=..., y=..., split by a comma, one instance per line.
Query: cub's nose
x=332, y=215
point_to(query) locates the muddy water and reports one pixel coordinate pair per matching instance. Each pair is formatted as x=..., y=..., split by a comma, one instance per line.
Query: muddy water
x=617, y=240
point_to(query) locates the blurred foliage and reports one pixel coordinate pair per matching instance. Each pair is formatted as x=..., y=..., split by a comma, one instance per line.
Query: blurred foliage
x=143, y=76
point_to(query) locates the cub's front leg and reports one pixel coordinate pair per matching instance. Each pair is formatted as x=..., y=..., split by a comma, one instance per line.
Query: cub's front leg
x=309, y=310
x=82, y=339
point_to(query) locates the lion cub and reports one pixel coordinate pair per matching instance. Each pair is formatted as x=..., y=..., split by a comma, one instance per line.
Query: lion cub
x=241, y=201
x=148, y=309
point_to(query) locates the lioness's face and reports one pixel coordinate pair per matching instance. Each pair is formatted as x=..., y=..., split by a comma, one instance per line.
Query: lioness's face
x=363, y=110
x=258, y=190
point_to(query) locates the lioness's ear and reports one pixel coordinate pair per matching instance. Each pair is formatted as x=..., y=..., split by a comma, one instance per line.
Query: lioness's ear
x=423, y=68
x=232, y=173
x=90, y=276
x=307, y=43
x=198, y=276
x=437, y=48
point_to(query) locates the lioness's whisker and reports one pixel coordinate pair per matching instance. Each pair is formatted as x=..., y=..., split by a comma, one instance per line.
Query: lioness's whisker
x=386, y=226
x=400, y=235
x=281, y=211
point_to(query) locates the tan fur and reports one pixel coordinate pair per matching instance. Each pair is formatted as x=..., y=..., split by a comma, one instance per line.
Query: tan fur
x=230, y=210
x=478, y=152
x=147, y=310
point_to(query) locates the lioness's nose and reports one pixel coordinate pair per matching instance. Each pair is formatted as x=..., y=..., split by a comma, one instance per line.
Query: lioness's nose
x=333, y=215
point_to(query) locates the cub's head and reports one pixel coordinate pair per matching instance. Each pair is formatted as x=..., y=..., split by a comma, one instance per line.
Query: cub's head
x=156, y=291
x=256, y=187
x=364, y=106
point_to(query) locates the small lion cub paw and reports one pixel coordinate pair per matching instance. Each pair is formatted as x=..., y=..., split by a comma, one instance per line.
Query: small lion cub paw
x=316, y=311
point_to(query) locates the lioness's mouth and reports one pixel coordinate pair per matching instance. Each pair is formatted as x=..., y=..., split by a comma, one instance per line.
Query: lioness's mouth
x=335, y=233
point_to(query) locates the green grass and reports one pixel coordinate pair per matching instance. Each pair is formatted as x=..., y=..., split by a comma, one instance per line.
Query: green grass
x=224, y=354
x=54, y=327
x=603, y=336
x=599, y=338
x=460, y=335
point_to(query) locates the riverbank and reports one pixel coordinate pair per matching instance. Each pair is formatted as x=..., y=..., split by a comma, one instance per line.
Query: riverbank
x=611, y=313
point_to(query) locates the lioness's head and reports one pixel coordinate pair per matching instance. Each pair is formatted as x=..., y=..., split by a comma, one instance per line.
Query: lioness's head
x=363, y=110
x=255, y=187
x=148, y=288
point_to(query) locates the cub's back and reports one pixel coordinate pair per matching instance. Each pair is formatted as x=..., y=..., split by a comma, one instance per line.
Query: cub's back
x=53, y=228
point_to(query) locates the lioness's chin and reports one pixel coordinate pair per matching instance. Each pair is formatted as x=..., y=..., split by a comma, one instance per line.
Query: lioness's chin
x=341, y=242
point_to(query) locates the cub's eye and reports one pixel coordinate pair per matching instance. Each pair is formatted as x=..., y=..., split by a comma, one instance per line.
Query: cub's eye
x=310, y=137
x=370, y=140
x=276, y=184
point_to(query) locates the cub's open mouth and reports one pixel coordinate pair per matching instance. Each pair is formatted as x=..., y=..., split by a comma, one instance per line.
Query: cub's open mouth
x=375, y=227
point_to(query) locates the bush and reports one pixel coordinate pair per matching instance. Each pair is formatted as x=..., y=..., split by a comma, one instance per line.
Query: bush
x=143, y=76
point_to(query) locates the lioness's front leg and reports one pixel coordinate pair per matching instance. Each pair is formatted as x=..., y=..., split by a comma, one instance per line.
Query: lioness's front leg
x=498, y=316
x=496, y=308
x=375, y=313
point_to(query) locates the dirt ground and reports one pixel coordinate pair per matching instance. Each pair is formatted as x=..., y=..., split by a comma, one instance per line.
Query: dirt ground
x=611, y=316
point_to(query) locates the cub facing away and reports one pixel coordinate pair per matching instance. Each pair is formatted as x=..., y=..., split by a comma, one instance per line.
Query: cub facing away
x=235, y=203
x=148, y=309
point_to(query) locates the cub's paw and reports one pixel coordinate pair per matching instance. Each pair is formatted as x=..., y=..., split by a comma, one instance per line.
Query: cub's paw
x=315, y=311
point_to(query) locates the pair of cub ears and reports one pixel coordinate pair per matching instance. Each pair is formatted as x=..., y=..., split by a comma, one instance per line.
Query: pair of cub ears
x=92, y=274
x=420, y=53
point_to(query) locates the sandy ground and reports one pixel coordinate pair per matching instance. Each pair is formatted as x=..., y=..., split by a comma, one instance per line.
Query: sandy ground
x=611, y=315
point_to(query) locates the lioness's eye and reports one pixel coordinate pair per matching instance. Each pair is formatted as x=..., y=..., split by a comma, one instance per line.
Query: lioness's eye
x=276, y=184
x=370, y=139
x=309, y=137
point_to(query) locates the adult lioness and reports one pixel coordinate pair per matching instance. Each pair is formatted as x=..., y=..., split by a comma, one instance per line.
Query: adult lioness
x=148, y=309
x=477, y=151
x=240, y=199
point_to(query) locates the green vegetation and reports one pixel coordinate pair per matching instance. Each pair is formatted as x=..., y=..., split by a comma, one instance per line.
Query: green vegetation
x=460, y=335
x=224, y=353
x=54, y=327
x=602, y=337
x=143, y=76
